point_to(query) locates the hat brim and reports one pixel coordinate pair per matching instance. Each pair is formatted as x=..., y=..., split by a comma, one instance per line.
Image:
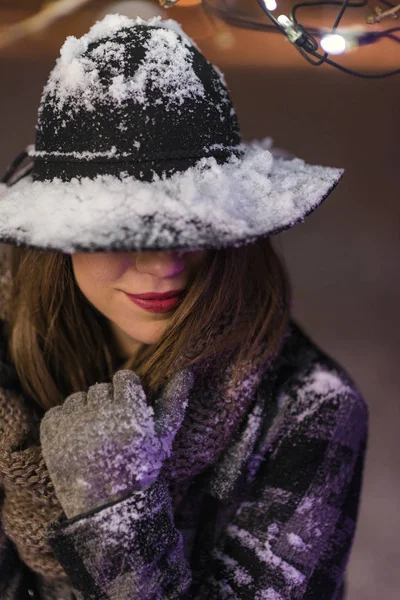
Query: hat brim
x=207, y=206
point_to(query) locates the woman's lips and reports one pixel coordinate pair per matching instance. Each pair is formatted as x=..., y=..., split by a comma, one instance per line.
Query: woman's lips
x=156, y=306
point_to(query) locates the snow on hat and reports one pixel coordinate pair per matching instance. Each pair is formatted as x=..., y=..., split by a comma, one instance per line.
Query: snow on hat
x=138, y=147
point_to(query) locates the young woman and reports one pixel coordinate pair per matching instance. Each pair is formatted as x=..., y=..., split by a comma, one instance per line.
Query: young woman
x=167, y=429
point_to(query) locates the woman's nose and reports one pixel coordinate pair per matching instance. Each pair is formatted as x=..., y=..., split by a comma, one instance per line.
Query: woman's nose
x=166, y=263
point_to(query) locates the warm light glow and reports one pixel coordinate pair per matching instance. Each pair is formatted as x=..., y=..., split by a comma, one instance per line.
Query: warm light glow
x=270, y=4
x=285, y=21
x=182, y=3
x=132, y=9
x=333, y=43
x=179, y=3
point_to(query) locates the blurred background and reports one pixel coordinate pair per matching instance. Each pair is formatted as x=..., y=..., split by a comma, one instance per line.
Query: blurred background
x=344, y=259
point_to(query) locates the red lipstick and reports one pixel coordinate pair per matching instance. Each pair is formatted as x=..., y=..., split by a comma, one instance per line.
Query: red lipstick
x=157, y=305
x=158, y=296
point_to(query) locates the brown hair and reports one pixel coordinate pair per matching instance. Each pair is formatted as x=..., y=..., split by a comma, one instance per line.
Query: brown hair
x=60, y=343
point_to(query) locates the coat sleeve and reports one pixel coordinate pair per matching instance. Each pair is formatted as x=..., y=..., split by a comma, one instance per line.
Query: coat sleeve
x=289, y=538
x=125, y=549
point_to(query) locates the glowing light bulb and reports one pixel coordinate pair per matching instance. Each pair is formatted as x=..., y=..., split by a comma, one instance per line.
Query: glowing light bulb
x=285, y=21
x=333, y=43
x=292, y=31
x=270, y=4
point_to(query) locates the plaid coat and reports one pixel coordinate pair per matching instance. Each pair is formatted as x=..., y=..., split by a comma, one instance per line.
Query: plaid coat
x=274, y=519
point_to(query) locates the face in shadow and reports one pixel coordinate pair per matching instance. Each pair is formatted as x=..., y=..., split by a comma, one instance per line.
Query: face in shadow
x=105, y=279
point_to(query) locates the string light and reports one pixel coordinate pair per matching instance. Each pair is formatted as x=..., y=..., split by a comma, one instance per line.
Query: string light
x=292, y=32
x=333, y=43
x=305, y=40
x=270, y=5
x=347, y=39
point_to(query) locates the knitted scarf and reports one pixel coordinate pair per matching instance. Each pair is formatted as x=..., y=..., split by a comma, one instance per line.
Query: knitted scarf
x=214, y=413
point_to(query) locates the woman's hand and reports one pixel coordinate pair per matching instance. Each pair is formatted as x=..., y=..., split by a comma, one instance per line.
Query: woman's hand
x=100, y=445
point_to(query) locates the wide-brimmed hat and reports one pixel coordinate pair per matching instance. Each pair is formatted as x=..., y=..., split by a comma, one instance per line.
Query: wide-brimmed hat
x=138, y=147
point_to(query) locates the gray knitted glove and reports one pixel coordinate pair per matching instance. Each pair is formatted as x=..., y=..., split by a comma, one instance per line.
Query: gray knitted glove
x=100, y=445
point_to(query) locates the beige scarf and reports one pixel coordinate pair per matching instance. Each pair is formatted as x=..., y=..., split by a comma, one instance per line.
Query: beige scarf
x=214, y=413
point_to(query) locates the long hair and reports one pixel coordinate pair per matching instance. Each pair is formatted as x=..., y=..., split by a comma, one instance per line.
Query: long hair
x=59, y=343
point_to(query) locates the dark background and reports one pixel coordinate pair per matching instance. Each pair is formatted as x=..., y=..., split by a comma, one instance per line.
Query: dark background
x=343, y=260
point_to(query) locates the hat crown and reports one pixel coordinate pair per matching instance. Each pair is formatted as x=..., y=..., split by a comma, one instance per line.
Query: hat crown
x=134, y=90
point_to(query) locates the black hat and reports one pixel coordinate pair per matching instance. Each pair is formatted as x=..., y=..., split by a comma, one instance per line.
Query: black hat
x=138, y=147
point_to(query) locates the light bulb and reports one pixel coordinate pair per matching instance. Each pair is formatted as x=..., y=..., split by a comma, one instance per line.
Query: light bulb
x=333, y=43
x=285, y=21
x=292, y=31
x=270, y=4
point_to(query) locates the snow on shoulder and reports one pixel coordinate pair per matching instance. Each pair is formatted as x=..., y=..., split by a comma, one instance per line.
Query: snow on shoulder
x=167, y=64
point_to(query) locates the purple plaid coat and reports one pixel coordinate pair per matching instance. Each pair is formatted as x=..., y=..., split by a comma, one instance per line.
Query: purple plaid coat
x=277, y=523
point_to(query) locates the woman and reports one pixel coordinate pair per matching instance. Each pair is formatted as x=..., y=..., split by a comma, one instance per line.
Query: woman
x=201, y=446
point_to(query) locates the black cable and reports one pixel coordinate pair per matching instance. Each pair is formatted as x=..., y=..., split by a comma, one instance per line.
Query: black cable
x=306, y=44
x=344, y=5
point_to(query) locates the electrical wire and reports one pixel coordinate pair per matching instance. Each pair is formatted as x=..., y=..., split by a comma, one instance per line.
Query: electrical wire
x=305, y=39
